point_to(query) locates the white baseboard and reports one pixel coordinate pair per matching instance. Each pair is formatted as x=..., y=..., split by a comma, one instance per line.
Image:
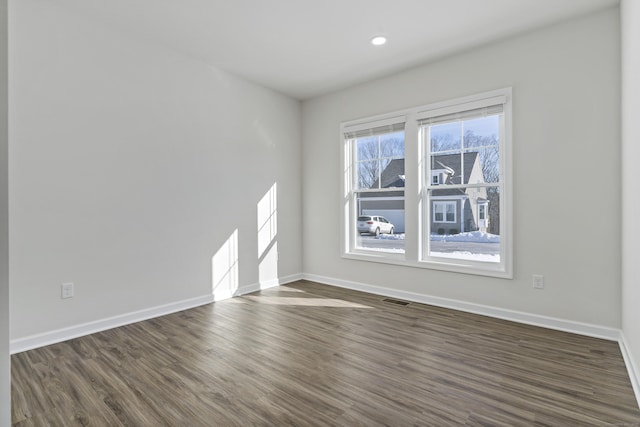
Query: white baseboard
x=264, y=284
x=587, y=329
x=64, y=334
x=280, y=281
x=291, y=278
x=632, y=369
x=59, y=335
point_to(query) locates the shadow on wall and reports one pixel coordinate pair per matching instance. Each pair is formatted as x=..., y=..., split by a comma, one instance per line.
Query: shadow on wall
x=225, y=262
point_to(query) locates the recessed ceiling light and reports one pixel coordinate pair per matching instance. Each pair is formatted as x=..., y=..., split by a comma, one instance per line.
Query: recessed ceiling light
x=378, y=40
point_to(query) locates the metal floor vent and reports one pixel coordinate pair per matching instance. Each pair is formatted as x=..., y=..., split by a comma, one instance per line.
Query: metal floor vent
x=395, y=301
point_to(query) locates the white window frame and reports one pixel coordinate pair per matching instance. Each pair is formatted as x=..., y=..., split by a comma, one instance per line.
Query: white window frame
x=350, y=189
x=418, y=178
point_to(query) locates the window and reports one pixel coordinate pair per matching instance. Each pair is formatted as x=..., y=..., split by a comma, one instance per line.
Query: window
x=444, y=212
x=482, y=212
x=375, y=184
x=465, y=139
x=438, y=176
x=454, y=163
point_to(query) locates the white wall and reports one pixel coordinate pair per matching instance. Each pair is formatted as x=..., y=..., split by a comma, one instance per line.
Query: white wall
x=566, y=111
x=630, y=12
x=5, y=362
x=130, y=167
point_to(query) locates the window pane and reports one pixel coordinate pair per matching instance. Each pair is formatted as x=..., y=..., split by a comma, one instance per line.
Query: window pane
x=489, y=161
x=392, y=145
x=477, y=166
x=380, y=212
x=451, y=211
x=380, y=161
x=473, y=158
x=446, y=137
x=367, y=148
x=472, y=236
x=441, y=166
x=380, y=222
x=480, y=132
x=368, y=174
x=481, y=139
x=392, y=175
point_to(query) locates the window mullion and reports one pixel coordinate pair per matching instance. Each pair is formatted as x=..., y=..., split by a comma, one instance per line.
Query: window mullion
x=412, y=186
x=461, y=152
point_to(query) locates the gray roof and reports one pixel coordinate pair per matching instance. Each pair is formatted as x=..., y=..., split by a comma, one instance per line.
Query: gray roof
x=393, y=175
x=452, y=161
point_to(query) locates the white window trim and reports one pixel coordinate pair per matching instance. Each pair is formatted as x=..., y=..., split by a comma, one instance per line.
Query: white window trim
x=350, y=190
x=414, y=241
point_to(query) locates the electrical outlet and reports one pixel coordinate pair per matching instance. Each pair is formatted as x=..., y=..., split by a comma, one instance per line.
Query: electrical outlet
x=538, y=281
x=67, y=290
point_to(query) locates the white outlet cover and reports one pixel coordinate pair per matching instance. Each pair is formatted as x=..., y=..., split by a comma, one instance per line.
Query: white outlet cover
x=67, y=290
x=538, y=281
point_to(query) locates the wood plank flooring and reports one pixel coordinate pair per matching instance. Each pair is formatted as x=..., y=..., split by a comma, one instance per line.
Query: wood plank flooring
x=306, y=354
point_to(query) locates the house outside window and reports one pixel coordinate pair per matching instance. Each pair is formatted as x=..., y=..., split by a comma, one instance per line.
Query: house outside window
x=453, y=158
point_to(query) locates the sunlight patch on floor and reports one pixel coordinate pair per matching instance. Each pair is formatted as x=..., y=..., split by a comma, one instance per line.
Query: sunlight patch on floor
x=306, y=302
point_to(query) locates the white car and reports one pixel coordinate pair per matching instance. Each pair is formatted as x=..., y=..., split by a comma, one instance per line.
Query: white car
x=374, y=224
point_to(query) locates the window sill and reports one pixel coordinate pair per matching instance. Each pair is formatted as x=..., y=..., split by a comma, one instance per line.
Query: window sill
x=453, y=266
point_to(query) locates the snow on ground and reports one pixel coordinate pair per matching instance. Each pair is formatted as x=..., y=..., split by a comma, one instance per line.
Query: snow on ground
x=388, y=250
x=469, y=237
x=399, y=236
x=472, y=237
x=453, y=255
x=468, y=256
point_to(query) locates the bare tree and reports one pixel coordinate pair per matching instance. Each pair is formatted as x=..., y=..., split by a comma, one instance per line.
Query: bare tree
x=374, y=155
x=489, y=153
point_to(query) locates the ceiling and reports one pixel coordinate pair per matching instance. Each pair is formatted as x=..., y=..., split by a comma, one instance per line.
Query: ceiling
x=306, y=48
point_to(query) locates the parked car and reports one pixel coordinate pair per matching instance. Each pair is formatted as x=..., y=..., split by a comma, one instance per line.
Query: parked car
x=374, y=224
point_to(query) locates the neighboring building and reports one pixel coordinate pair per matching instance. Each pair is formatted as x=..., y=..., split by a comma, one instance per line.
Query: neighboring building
x=389, y=204
x=458, y=210
x=453, y=210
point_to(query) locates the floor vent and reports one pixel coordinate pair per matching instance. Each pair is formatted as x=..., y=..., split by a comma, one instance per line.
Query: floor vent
x=395, y=301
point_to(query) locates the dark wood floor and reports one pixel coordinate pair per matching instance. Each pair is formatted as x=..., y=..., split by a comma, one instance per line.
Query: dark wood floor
x=312, y=355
